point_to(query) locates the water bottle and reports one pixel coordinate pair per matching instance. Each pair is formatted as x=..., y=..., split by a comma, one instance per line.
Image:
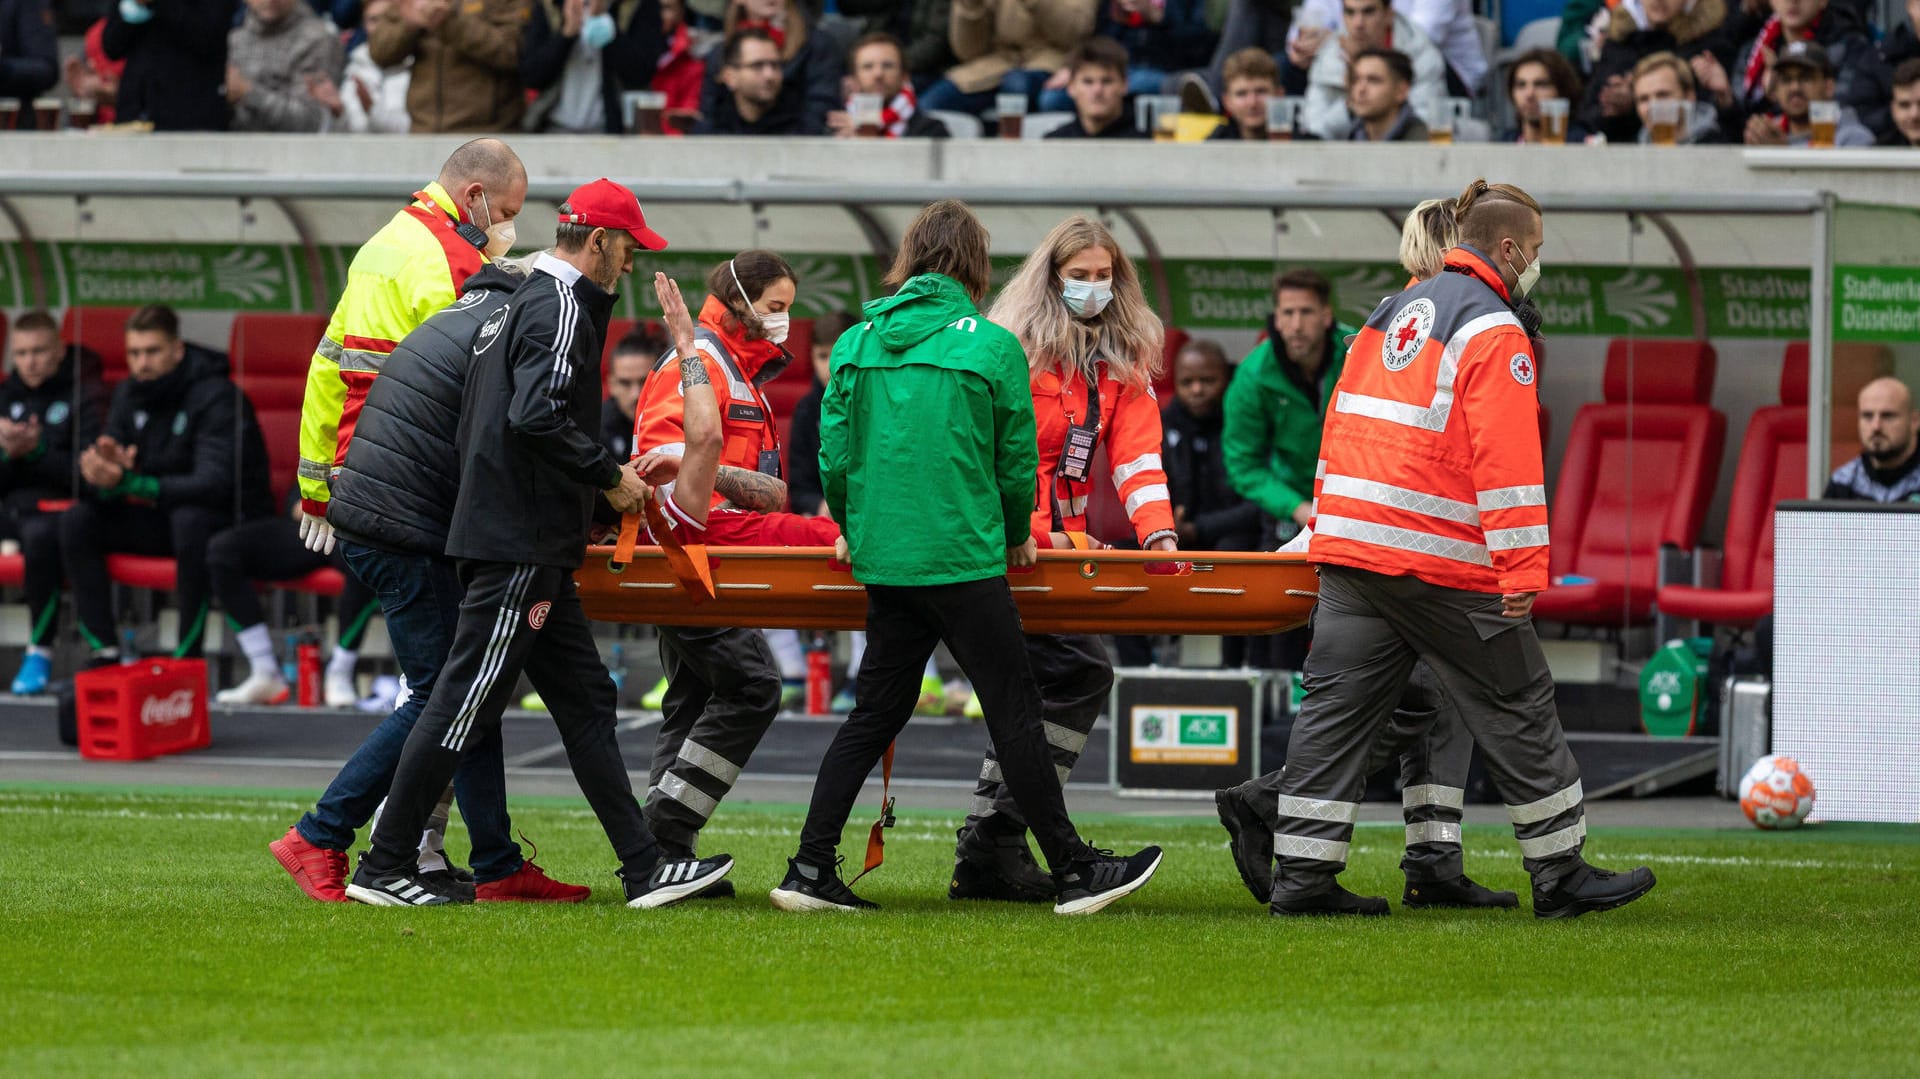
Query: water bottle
x=290, y=667
x=617, y=669
x=819, y=676
x=307, y=667
x=129, y=646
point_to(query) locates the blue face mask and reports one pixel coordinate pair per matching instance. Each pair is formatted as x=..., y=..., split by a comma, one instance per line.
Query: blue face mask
x=597, y=31
x=133, y=13
x=1086, y=298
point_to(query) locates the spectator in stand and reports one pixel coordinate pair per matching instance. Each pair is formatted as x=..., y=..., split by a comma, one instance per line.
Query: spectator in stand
x=1905, y=130
x=1162, y=39
x=1888, y=469
x=1537, y=75
x=634, y=358
x=176, y=54
x=1012, y=47
x=283, y=66
x=1378, y=81
x=29, y=53
x=374, y=98
x=811, y=64
x=923, y=27
x=1447, y=23
x=1634, y=32
x=878, y=65
x=466, y=62
x=1369, y=24
x=1801, y=75
x=1249, y=24
x=680, y=74
x=93, y=76
x=1862, y=79
x=580, y=55
x=1098, y=86
x=1665, y=77
x=1252, y=79
x=51, y=405
x=758, y=101
x=1901, y=44
x=181, y=459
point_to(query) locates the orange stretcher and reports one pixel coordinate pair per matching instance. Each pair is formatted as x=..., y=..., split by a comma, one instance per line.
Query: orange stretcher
x=1067, y=592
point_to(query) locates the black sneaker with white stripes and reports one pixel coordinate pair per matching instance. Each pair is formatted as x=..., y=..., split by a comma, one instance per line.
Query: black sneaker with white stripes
x=812, y=887
x=1092, y=883
x=406, y=888
x=675, y=879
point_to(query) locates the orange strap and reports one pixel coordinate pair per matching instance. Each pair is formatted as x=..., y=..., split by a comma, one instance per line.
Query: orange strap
x=876, y=841
x=1078, y=541
x=687, y=561
x=629, y=538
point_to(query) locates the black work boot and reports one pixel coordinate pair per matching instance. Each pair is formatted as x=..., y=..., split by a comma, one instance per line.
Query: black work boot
x=1335, y=900
x=1462, y=892
x=1588, y=890
x=998, y=867
x=1249, y=839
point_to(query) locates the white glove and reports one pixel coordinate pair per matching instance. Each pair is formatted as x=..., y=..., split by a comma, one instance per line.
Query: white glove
x=316, y=534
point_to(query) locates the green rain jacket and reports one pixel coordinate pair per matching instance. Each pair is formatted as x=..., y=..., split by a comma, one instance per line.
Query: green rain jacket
x=927, y=444
x=1271, y=437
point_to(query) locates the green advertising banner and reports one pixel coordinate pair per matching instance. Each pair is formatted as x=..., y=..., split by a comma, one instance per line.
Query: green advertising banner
x=1876, y=303
x=1870, y=303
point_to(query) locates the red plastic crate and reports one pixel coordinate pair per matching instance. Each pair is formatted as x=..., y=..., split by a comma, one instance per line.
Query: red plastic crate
x=139, y=710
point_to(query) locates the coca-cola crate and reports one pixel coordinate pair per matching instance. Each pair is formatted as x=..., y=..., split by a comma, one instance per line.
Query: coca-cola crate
x=138, y=710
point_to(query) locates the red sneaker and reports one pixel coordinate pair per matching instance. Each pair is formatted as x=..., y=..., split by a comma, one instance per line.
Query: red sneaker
x=530, y=884
x=321, y=873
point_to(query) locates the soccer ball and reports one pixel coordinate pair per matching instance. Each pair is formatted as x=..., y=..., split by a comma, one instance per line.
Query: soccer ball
x=1775, y=793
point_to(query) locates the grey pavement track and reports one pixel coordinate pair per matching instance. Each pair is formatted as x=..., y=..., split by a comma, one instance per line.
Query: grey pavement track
x=302, y=749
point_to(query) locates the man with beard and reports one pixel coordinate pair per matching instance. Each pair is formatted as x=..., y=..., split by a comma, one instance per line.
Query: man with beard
x=1888, y=469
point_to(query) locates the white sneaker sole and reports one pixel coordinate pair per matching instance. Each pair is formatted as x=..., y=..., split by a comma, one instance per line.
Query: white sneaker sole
x=687, y=889
x=800, y=902
x=1103, y=900
x=374, y=898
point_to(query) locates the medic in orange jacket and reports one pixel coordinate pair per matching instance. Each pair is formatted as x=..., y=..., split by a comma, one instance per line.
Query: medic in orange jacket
x=1128, y=425
x=738, y=367
x=1430, y=461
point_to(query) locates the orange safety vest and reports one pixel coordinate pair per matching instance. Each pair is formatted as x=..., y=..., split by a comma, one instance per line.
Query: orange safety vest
x=1430, y=459
x=738, y=368
x=1129, y=421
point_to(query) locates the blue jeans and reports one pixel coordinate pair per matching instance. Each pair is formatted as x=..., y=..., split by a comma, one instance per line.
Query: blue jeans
x=420, y=597
x=946, y=97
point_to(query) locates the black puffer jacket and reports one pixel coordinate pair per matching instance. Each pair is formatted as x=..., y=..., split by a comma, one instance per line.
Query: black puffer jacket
x=197, y=439
x=395, y=490
x=1863, y=81
x=531, y=461
x=176, y=64
x=69, y=423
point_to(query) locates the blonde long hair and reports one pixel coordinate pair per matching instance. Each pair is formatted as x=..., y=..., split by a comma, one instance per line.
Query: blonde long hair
x=1127, y=335
x=1430, y=230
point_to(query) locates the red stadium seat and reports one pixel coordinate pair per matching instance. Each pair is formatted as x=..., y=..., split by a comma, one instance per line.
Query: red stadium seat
x=321, y=582
x=1773, y=467
x=142, y=571
x=3, y=333
x=1854, y=365
x=102, y=329
x=270, y=354
x=13, y=570
x=1638, y=473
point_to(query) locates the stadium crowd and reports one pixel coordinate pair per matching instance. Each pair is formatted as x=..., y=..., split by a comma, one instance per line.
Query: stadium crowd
x=1759, y=72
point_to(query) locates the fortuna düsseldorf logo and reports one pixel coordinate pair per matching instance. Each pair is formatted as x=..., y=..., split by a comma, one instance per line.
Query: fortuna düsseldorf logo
x=537, y=616
x=1407, y=334
x=175, y=707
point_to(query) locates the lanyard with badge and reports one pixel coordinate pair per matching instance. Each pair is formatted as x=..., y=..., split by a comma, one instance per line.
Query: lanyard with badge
x=1076, y=454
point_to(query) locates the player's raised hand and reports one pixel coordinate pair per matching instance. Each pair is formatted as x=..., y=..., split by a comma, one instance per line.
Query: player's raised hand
x=673, y=311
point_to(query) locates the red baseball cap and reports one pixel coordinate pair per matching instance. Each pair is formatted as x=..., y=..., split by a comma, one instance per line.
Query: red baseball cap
x=604, y=204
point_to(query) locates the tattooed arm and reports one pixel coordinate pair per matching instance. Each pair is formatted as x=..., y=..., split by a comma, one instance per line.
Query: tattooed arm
x=693, y=490
x=749, y=490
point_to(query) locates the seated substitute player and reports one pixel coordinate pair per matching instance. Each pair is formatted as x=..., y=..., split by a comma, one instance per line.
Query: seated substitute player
x=1888, y=468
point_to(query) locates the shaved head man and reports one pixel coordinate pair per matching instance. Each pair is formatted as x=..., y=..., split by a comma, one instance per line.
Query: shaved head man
x=1886, y=469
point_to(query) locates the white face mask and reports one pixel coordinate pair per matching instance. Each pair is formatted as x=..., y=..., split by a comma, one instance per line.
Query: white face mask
x=1086, y=298
x=773, y=324
x=499, y=233
x=1526, y=279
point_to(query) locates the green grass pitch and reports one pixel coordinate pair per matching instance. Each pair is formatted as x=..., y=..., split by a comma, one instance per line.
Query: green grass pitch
x=149, y=933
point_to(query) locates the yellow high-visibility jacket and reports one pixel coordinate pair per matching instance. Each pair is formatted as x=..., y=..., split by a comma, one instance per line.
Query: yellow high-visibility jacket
x=414, y=266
